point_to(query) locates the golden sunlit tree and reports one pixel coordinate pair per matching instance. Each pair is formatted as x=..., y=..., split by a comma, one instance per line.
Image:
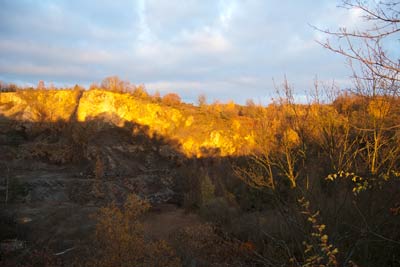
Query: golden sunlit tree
x=113, y=83
x=376, y=73
x=171, y=99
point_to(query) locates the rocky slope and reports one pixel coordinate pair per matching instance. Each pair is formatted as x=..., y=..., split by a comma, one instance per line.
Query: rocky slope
x=65, y=153
x=196, y=131
x=47, y=195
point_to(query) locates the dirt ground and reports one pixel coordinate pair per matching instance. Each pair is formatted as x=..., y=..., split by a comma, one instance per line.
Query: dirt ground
x=162, y=221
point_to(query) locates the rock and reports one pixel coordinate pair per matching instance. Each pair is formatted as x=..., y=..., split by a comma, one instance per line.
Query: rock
x=11, y=245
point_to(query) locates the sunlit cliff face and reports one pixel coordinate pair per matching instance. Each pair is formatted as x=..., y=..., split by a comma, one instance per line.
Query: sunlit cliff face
x=197, y=134
x=37, y=106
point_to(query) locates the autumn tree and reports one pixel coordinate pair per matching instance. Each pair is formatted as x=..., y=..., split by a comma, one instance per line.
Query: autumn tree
x=41, y=85
x=282, y=141
x=156, y=96
x=376, y=73
x=113, y=83
x=77, y=87
x=372, y=121
x=140, y=91
x=202, y=100
x=10, y=87
x=93, y=86
x=250, y=103
x=171, y=99
x=120, y=241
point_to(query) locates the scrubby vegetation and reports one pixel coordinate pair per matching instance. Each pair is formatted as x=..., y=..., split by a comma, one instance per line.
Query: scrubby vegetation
x=319, y=186
x=287, y=184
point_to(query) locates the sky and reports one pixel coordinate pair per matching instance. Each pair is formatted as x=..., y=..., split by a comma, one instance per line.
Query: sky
x=225, y=49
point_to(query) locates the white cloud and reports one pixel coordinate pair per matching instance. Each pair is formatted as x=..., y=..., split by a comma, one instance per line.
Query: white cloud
x=216, y=47
x=44, y=70
x=33, y=51
x=227, y=11
x=204, y=41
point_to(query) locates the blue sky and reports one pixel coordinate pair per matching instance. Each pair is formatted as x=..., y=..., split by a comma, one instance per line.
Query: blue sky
x=224, y=49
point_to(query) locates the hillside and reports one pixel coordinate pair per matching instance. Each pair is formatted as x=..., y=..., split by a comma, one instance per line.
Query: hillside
x=67, y=153
x=196, y=131
x=100, y=177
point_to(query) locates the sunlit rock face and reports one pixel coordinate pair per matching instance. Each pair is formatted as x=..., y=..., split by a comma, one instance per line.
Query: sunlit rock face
x=122, y=108
x=196, y=133
x=39, y=105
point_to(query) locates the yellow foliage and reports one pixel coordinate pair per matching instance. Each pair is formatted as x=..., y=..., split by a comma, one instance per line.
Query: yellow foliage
x=189, y=121
x=189, y=145
x=219, y=139
x=231, y=106
x=291, y=137
x=236, y=124
x=379, y=108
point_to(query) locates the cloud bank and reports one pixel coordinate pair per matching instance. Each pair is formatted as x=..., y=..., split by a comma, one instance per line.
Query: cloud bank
x=225, y=49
